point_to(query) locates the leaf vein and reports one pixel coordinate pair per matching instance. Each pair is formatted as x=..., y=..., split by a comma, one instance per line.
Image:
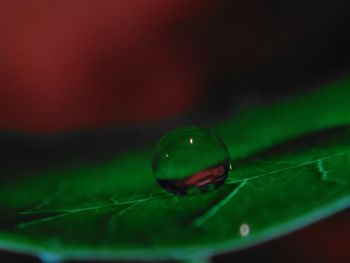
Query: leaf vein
x=289, y=168
x=216, y=208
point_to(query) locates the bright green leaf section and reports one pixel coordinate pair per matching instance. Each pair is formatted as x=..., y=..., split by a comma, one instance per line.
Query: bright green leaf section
x=290, y=168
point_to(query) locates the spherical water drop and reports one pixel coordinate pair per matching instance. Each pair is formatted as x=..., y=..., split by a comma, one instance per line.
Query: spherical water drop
x=190, y=160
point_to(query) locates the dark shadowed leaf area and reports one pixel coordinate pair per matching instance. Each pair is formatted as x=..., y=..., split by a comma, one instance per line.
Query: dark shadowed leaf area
x=290, y=168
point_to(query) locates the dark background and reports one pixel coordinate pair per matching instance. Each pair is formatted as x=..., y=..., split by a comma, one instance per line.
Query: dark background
x=82, y=67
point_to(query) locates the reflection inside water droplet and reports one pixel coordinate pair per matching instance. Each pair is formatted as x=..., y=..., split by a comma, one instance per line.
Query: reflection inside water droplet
x=202, y=181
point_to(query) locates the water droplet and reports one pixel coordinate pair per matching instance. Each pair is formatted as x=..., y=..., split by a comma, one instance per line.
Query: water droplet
x=189, y=160
x=244, y=230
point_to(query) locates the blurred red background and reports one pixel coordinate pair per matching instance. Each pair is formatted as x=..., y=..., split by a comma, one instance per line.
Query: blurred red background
x=78, y=64
x=69, y=65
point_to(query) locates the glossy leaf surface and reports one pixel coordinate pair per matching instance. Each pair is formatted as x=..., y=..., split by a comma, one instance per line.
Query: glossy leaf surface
x=290, y=168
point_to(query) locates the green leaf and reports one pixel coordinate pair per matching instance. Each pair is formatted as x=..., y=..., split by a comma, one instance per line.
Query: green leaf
x=290, y=169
